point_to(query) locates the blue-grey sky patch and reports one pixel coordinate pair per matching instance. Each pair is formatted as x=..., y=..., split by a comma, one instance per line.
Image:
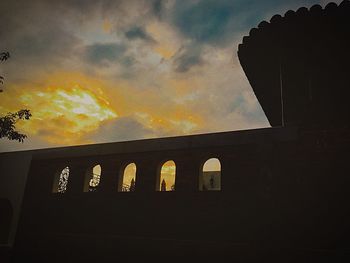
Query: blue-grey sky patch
x=203, y=21
x=101, y=52
x=237, y=103
x=240, y=105
x=216, y=22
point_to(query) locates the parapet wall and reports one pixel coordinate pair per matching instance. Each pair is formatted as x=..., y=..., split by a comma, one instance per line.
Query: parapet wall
x=280, y=188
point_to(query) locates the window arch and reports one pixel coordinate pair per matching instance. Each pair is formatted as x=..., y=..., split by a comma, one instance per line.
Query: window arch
x=61, y=181
x=210, y=176
x=127, y=178
x=92, y=178
x=166, y=177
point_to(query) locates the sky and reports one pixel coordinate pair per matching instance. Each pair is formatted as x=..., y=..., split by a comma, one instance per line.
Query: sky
x=98, y=71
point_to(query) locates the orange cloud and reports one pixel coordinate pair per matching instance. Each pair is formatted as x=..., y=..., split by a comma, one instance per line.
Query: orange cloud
x=68, y=106
x=64, y=110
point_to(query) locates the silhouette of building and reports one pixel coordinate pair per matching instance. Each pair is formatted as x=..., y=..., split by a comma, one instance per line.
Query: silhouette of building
x=284, y=191
x=300, y=63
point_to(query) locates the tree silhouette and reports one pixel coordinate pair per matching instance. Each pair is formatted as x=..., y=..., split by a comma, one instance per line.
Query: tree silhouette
x=7, y=122
x=63, y=180
x=8, y=128
x=3, y=56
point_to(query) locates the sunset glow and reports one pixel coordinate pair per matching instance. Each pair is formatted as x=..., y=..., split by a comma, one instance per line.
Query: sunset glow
x=129, y=174
x=68, y=113
x=168, y=173
x=213, y=164
x=126, y=70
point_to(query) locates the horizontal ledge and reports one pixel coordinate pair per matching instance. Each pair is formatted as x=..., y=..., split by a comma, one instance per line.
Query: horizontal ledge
x=220, y=139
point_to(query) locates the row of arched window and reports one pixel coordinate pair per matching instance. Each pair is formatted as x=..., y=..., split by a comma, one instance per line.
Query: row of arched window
x=209, y=178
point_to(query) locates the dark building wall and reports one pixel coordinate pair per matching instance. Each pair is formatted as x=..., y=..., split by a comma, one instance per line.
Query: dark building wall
x=14, y=168
x=281, y=189
x=6, y=212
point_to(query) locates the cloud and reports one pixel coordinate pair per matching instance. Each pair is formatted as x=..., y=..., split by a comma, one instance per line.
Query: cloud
x=164, y=67
x=31, y=142
x=137, y=32
x=187, y=57
x=36, y=37
x=121, y=129
x=63, y=110
x=157, y=8
x=100, y=53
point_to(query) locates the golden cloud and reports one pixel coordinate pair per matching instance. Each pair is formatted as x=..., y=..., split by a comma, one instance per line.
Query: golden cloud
x=68, y=106
x=64, y=110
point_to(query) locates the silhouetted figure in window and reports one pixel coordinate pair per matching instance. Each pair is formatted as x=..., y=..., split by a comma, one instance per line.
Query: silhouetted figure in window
x=132, y=185
x=163, y=186
x=212, y=182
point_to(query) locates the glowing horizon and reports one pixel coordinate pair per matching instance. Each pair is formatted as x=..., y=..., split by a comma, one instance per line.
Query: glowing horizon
x=128, y=70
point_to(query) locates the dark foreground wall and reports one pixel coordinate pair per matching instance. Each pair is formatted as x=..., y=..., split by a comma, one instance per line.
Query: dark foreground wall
x=284, y=198
x=14, y=168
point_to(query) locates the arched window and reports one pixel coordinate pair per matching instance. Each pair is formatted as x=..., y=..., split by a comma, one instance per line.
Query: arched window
x=61, y=181
x=127, y=179
x=92, y=179
x=167, y=177
x=210, y=176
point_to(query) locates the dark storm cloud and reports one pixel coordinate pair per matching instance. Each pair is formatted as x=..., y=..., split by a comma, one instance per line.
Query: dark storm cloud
x=138, y=33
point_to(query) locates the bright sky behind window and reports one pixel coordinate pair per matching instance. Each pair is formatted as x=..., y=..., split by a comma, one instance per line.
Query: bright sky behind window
x=102, y=71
